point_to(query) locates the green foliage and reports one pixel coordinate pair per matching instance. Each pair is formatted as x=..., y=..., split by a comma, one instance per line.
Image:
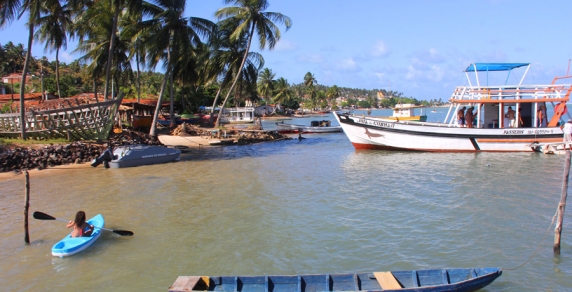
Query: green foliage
x=69, y=86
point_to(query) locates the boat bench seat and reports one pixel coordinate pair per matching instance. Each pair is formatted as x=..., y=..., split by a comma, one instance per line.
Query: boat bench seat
x=387, y=281
x=187, y=283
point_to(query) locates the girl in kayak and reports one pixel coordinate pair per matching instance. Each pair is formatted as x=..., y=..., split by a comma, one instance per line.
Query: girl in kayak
x=80, y=227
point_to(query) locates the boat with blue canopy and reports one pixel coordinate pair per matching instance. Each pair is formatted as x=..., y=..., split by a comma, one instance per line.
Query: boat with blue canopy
x=505, y=117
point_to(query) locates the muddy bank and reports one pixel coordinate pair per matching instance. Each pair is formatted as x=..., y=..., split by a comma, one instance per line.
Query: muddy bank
x=40, y=157
x=17, y=159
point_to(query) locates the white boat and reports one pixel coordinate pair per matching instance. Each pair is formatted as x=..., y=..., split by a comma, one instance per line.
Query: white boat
x=491, y=132
x=324, y=126
x=136, y=155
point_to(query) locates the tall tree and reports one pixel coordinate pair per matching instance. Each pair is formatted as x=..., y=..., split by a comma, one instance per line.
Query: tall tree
x=53, y=29
x=133, y=6
x=9, y=10
x=94, y=39
x=312, y=93
x=266, y=84
x=174, y=34
x=251, y=16
x=282, y=92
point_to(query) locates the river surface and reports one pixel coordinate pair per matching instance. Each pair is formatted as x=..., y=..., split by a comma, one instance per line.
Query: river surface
x=293, y=207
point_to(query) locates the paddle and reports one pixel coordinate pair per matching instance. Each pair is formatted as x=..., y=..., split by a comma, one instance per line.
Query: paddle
x=43, y=216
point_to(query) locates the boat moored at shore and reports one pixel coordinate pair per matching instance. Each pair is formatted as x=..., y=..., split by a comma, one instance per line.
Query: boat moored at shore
x=136, y=155
x=506, y=118
x=324, y=126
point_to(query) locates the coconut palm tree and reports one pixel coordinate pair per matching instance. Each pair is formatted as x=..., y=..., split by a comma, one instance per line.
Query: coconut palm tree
x=312, y=94
x=266, y=84
x=282, y=92
x=53, y=30
x=251, y=16
x=134, y=7
x=9, y=10
x=94, y=39
x=173, y=34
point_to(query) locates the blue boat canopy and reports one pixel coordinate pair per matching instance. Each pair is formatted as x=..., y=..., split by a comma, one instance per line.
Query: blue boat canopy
x=494, y=66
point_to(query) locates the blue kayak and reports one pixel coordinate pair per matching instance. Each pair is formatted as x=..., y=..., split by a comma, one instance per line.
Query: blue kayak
x=72, y=245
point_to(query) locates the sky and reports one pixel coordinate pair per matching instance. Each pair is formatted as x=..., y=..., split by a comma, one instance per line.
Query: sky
x=417, y=47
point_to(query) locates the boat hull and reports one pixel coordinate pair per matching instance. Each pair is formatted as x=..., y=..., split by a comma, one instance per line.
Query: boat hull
x=412, y=119
x=375, y=133
x=137, y=155
x=71, y=245
x=290, y=128
x=460, y=280
x=90, y=121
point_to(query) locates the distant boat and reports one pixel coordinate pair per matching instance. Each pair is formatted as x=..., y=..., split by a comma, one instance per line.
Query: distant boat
x=436, y=280
x=434, y=111
x=136, y=155
x=405, y=112
x=323, y=126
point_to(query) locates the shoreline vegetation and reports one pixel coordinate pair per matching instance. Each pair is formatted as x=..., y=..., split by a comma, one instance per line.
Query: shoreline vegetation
x=18, y=155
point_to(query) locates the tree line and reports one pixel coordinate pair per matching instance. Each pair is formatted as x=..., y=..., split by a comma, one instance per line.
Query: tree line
x=125, y=42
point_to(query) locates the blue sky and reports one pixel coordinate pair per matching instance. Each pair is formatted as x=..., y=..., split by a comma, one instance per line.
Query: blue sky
x=416, y=47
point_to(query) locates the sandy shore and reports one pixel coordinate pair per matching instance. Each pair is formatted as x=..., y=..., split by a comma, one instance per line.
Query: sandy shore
x=48, y=171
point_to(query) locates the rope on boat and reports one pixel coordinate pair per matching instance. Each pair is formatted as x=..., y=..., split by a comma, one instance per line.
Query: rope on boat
x=538, y=248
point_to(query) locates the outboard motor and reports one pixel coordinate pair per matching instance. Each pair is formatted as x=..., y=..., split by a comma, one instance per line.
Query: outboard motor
x=104, y=158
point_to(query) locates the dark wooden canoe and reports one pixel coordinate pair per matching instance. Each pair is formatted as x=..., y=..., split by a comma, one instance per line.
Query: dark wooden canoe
x=459, y=280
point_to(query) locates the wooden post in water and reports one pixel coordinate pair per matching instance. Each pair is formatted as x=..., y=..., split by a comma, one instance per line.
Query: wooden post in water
x=562, y=205
x=27, y=196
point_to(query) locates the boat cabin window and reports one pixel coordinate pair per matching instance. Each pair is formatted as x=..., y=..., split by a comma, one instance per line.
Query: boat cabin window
x=492, y=118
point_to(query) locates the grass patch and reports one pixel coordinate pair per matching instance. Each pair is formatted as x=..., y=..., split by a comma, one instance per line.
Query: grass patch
x=12, y=142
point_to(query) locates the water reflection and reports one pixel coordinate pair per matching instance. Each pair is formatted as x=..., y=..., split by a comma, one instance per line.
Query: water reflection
x=288, y=207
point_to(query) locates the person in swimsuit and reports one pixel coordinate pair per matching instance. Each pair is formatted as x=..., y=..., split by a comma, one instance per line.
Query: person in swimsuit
x=80, y=227
x=461, y=117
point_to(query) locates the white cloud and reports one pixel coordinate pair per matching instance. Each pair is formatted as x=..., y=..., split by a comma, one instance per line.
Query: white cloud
x=348, y=65
x=432, y=73
x=285, y=45
x=66, y=57
x=311, y=58
x=379, y=49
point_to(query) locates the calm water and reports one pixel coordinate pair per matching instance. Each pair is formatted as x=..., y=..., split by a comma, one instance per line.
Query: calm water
x=292, y=207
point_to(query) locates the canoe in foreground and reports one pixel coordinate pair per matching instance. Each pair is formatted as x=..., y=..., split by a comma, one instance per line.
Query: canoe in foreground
x=72, y=245
x=459, y=280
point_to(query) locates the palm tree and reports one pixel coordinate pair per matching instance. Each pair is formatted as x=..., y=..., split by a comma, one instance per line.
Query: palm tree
x=251, y=18
x=332, y=93
x=282, y=92
x=8, y=11
x=94, y=39
x=174, y=34
x=53, y=30
x=309, y=82
x=266, y=84
x=133, y=6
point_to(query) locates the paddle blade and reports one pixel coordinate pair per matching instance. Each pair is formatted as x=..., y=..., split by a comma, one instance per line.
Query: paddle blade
x=42, y=216
x=123, y=232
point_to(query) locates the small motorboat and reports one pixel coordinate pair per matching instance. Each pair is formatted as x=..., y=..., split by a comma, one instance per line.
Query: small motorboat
x=136, y=155
x=459, y=280
x=324, y=126
x=72, y=245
